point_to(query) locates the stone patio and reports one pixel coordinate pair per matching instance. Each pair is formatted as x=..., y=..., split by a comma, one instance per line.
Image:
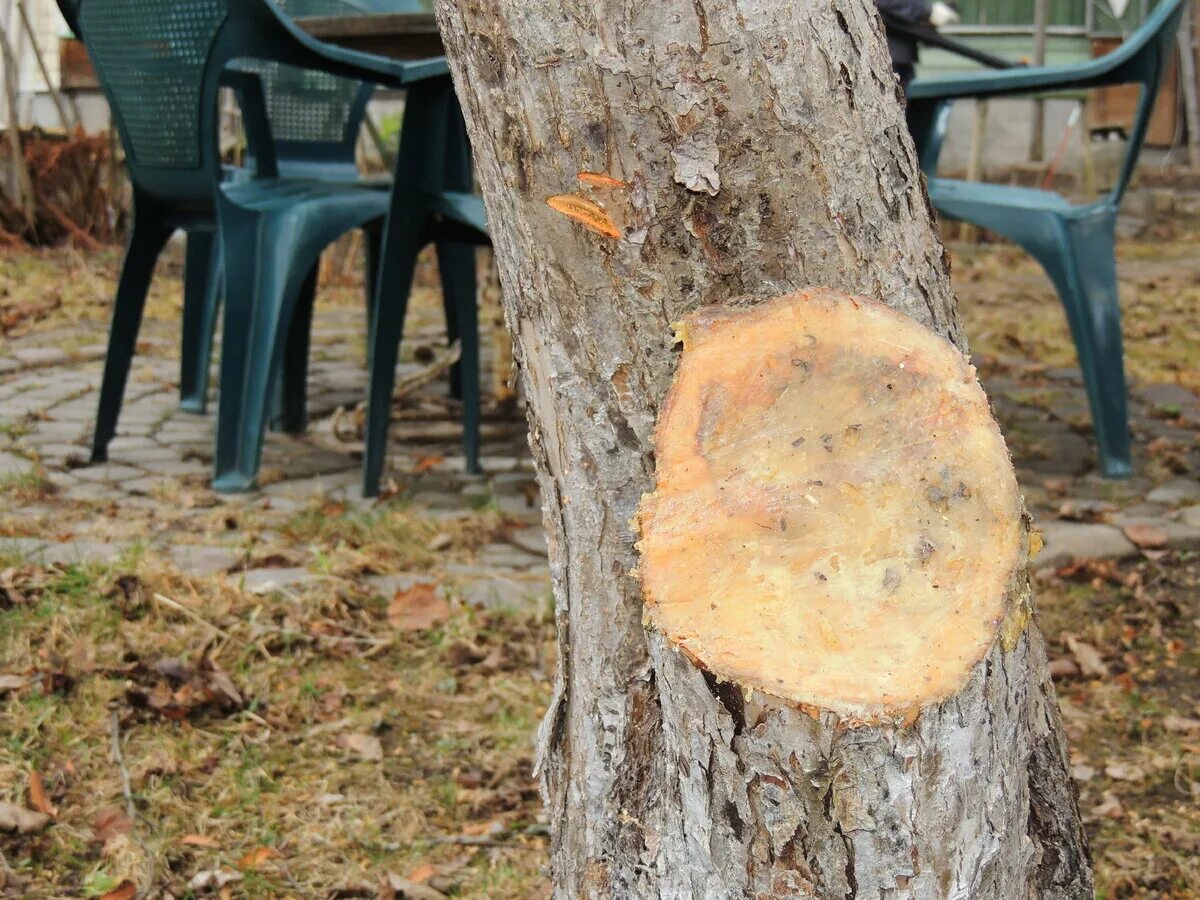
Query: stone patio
x=153, y=493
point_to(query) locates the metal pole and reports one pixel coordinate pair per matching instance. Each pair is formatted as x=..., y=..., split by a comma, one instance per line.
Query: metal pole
x=41, y=61
x=1187, y=77
x=1037, y=135
x=23, y=184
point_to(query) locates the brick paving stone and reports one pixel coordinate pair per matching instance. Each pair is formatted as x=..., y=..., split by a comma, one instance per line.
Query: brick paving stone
x=40, y=356
x=111, y=471
x=504, y=593
x=97, y=491
x=387, y=585
x=81, y=552
x=1176, y=491
x=150, y=452
x=264, y=581
x=531, y=540
x=54, y=431
x=1180, y=535
x=508, y=557
x=22, y=548
x=14, y=465
x=202, y=561
x=171, y=467
x=58, y=454
x=1066, y=541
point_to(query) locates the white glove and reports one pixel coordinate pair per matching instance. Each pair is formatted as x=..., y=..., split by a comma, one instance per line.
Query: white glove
x=942, y=15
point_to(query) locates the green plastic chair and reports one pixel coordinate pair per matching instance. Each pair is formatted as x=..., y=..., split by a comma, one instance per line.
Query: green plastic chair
x=431, y=202
x=312, y=119
x=272, y=227
x=1074, y=243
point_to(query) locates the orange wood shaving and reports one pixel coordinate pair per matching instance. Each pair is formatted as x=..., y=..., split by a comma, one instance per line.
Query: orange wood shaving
x=587, y=213
x=599, y=179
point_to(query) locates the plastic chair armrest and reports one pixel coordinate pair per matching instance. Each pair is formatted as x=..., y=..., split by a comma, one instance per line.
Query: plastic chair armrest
x=252, y=99
x=336, y=60
x=1011, y=82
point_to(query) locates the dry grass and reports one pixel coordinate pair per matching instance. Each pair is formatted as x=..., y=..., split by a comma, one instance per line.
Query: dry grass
x=360, y=749
x=1135, y=729
x=1011, y=310
x=284, y=790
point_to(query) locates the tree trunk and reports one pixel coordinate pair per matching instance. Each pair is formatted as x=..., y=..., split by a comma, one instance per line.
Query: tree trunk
x=640, y=161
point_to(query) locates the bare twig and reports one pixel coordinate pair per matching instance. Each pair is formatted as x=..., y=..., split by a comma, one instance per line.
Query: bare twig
x=197, y=618
x=119, y=759
x=441, y=364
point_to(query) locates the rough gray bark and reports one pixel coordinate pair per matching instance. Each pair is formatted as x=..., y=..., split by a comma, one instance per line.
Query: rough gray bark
x=754, y=147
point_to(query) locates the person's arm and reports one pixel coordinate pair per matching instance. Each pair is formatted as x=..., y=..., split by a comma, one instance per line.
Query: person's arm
x=914, y=12
x=918, y=12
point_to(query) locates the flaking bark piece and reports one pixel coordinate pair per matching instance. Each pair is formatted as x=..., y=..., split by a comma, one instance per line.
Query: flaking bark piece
x=836, y=521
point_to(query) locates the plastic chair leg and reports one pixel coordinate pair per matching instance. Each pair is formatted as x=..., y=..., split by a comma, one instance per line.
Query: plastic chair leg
x=201, y=300
x=372, y=251
x=257, y=315
x=402, y=242
x=1086, y=277
x=447, y=263
x=292, y=383
x=146, y=241
x=457, y=265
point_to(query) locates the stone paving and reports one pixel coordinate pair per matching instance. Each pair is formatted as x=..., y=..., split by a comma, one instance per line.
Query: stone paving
x=153, y=492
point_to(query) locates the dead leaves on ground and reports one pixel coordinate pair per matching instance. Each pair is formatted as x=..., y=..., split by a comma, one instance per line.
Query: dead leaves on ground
x=176, y=690
x=364, y=746
x=417, y=608
x=17, y=819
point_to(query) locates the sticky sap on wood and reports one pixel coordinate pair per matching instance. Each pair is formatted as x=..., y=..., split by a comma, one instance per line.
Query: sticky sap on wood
x=836, y=520
x=585, y=212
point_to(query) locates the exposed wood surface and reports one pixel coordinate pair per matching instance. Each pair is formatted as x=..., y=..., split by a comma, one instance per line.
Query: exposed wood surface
x=835, y=521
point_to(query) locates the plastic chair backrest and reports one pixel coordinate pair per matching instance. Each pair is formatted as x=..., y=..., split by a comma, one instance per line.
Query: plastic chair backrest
x=315, y=118
x=160, y=63
x=1141, y=59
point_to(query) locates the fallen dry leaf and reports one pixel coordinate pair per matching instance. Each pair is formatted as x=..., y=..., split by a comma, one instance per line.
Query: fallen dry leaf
x=1110, y=806
x=362, y=745
x=257, y=858
x=37, y=795
x=1122, y=772
x=1145, y=536
x=1180, y=724
x=1091, y=663
x=422, y=873
x=427, y=463
x=126, y=890
x=1083, y=772
x=417, y=608
x=199, y=840
x=1063, y=667
x=397, y=888
x=213, y=878
x=21, y=820
x=109, y=823
x=11, y=683
x=186, y=690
